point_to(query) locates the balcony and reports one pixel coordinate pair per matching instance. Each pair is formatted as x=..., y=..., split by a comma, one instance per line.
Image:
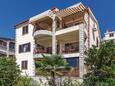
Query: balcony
x=40, y=33
x=39, y=50
x=72, y=20
x=3, y=47
x=71, y=24
x=4, y=50
x=67, y=48
x=70, y=48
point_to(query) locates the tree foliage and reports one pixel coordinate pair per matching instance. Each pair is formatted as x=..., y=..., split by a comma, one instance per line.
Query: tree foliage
x=101, y=65
x=9, y=71
x=26, y=81
x=50, y=65
x=70, y=82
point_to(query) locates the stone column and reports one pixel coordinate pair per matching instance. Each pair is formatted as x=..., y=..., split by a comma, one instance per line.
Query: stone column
x=31, y=60
x=61, y=46
x=54, y=46
x=81, y=50
x=53, y=35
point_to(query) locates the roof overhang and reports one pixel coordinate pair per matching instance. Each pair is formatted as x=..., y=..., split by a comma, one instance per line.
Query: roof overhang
x=22, y=23
x=42, y=15
x=7, y=39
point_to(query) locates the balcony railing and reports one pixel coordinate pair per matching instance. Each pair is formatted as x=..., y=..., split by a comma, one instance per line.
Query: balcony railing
x=4, y=48
x=67, y=48
x=43, y=50
x=71, y=48
x=64, y=26
x=12, y=50
x=42, y=31
x=71, y=24
x=39, y=28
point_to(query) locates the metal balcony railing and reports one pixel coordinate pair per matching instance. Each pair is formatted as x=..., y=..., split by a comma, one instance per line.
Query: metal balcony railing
x=67, y=48
x=71, y=48
x=12, y=50
x=5, y=49
x=42, y=50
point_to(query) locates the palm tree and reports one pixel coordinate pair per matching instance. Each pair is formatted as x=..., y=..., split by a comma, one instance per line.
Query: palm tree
x=51, y=66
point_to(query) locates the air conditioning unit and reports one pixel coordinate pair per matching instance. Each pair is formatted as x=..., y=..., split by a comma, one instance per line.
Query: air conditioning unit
x=94, y=27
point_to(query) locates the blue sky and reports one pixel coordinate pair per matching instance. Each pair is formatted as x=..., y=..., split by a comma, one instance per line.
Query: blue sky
x=15, y=11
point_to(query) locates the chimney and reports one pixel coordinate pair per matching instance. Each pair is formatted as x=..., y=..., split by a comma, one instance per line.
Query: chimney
x=53, y=8
x=107, y=30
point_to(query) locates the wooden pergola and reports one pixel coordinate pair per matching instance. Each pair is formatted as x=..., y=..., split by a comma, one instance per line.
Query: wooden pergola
x=70, y=10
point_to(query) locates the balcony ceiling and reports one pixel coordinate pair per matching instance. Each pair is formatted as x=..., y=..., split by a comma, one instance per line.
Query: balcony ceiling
x=45, y=22
x=44, y=41
x=69, y=37
x=65, y=38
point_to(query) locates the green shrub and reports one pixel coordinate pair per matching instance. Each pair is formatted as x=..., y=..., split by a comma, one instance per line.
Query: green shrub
x=9, y=71
x=70, y=82
x=26, y=81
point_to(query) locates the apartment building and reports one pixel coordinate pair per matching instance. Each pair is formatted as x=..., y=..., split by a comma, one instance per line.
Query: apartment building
x=109, y=36
x=7, y=47
x=68, y=32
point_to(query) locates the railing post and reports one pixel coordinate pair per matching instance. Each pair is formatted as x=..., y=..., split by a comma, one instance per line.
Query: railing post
x=8, y=48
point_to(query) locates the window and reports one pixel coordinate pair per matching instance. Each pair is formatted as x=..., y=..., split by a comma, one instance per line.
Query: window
x=24, y=65
x=73, y=62
x=111, y=34
x=97, y=43
x=93, y=32
x=24, y=48
x=25, y=30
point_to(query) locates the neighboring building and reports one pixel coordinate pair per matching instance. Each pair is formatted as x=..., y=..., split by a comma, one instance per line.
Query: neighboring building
x=109, y=36
x=7, y=47
x=68, y=32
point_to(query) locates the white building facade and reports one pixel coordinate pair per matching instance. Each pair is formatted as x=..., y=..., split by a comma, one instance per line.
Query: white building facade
x=109, y=36
x=68, y=32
